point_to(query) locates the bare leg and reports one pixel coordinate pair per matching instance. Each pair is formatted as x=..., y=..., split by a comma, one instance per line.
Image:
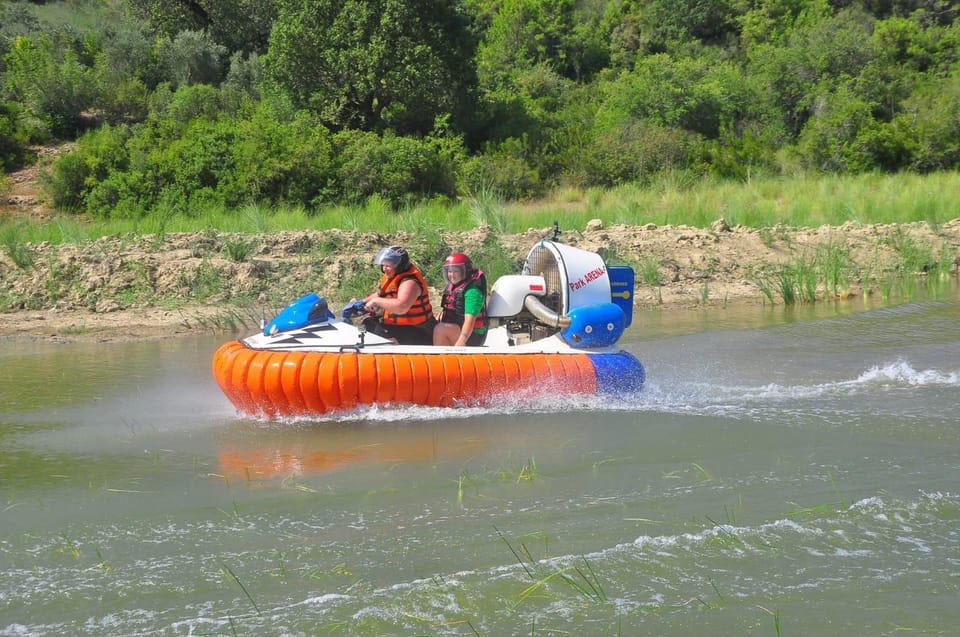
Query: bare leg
x=446, y=333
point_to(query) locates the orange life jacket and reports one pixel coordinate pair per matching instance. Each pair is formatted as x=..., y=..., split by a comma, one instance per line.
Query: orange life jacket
x=420, y=312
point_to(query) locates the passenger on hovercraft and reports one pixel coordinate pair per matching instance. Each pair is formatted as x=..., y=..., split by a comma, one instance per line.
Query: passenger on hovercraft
x=463, y=317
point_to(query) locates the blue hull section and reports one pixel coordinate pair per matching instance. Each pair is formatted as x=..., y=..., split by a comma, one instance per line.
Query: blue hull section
x=619, y=373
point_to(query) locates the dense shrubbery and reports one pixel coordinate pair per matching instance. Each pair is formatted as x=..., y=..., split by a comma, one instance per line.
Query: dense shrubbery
x=182, y=106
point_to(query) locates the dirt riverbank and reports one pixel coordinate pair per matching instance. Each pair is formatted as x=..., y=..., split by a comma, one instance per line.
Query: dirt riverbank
x=147, y=287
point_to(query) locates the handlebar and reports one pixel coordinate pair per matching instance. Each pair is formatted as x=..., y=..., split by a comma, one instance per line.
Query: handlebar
x=353, y=310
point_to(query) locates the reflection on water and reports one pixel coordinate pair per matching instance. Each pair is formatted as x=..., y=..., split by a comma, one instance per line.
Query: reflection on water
x=788, y=470
x=317, y=451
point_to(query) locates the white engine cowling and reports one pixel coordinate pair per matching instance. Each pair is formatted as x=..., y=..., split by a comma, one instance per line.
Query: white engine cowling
x=509, y=292
x=574, y=277
x=562, y=277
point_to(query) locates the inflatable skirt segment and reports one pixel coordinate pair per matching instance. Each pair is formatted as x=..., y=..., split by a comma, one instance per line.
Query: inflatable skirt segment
x=277, y=383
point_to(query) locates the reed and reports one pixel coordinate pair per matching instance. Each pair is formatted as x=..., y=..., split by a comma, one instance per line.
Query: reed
x=460, y=480
x=915, y=257
x=807, y=280
x=102, y=563
x=823, y=507
x=706, y=475
x=650, y=271
x=70, y=546
x=725, y=536
x=224, y=319
x=605, y=461
x=834, y=265
x=775, y=614
x=238, y=249
x=242, y=588
x=487, y=209
x=14, y=239
x=291, y=482
x=526, y=473
x=73, y=329
x=794, y=282
x=584, y=581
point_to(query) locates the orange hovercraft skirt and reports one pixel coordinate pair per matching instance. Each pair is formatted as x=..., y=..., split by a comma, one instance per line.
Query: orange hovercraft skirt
x=282, y=383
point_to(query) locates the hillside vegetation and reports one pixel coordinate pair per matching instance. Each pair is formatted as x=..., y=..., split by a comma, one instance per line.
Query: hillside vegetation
x=185, y=109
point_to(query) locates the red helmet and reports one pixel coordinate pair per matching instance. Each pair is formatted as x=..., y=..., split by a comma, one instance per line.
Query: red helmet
x=457, y=262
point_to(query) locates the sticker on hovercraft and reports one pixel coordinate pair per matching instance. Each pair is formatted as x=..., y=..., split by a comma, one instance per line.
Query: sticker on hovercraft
x=588, y=278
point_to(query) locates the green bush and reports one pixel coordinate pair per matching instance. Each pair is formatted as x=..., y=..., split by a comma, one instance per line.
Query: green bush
x=932, y=115
x=633, y=151
x=199, y=165
x=828, y=140
x=171, y=112
x=13, y=138
x=504, y=172
x=395, y=168
x=97, y=156
x=284, y=157
x=65, y=183
x=52, y=82
x=121, y=195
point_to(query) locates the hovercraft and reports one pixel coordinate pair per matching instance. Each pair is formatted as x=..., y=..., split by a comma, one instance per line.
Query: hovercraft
x=553, y=329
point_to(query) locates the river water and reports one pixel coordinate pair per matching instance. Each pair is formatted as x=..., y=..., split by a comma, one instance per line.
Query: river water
x=789, y=471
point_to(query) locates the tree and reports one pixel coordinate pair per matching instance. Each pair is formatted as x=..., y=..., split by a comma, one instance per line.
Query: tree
x=239, y=25
x=375, y=64
x=192, y=57
x=13, y=139
x=523, y=34
x=818, y=56
x=51, y=82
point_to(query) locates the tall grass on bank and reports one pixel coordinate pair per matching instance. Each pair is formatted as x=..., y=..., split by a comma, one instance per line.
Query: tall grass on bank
x=829, y=272
x=14, y=243
x=799, y=201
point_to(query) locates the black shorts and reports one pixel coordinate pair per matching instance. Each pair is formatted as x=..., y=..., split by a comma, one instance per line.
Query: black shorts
x=476, y=340
x=404, y=334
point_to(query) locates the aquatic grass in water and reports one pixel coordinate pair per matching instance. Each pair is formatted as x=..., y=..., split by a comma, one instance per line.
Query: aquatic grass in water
x=833, y=262
x=527, y=472
x=795, y=282
x=242, y=587
x=822, y=508
x=585, y=581
x=915, y=257
x=787, y=285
